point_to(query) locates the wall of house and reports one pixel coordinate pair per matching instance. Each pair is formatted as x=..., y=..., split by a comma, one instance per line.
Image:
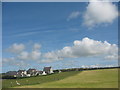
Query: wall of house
x=51, y=70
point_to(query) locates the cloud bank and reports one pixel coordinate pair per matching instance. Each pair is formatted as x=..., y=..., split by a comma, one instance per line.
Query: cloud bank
x=84, y=48
x=35, y=54
x=16, y=48
x=100, y=12
x=22, y=55
x=81, y=48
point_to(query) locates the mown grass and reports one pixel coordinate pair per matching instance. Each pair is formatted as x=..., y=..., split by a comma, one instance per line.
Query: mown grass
x=105, y=78
x=8, y=83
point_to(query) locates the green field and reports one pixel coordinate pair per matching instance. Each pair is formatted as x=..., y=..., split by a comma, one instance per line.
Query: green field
x=104, y=78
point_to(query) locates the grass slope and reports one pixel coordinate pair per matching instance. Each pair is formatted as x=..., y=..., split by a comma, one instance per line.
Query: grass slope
x=8, y=83
x=105, y=78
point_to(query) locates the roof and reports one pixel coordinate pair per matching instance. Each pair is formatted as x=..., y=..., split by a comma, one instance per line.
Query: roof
x=31, y=70
x=11, y=73
x=40, y=72
x=21, y=70
x=46, y=69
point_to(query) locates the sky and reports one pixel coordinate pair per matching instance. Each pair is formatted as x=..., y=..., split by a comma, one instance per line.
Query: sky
x=61, y=35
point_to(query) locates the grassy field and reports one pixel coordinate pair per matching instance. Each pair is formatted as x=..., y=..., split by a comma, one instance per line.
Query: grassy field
x=38, y=79
x=105, y=78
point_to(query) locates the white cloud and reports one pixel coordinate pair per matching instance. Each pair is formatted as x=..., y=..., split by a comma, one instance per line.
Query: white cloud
x=36, y=46
x=35, y=54
x=81, y=48
x=73, y=15
x=84, y=48
x=50, y=57
x=23, y=56
x=99, y=12
x=16, y=48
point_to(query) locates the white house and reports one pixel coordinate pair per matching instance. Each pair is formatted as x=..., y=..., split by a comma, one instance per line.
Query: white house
x=44, y=73
x=48, y=70
x=22, y=73
x=59, y=71
x=31, y=72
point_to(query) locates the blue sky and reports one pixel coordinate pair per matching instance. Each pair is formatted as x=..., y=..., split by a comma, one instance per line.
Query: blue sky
x=47, y=24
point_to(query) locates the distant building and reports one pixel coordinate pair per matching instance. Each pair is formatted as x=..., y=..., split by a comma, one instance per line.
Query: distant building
x=31, y=72
x=44, y=73
x=11, y=73
x=22, y=73
x=39, y=72
x=59, y=71
x=48, y=70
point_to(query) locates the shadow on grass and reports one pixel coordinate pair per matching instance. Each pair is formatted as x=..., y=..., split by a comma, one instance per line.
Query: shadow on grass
x=8, y=83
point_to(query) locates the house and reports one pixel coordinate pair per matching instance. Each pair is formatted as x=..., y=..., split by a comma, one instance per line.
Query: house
x=41, y=73
x=38, y=73
x=15, y=74
x=48, y=70
x=32, y=72
x=29, y=72
x=59, y=71
x=11, y=73
x=44, y=73
x=22, y=73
